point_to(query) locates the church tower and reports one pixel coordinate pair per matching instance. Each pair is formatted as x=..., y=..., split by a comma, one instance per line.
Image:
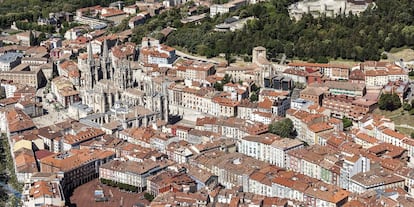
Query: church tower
x=92, y=68
x=106, y=61
x=123, y=75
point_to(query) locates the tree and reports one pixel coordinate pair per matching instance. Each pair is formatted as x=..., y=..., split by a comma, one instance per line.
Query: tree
x=412, y=135
x=389, y=102
x=148, y=197
x=226, y=79
x=218, y=86
x=407, y=107
x=254, y=97
x=2, y=92
x=346, y=122
x=32, y=38
x=283, y=128
x=255, y=89
x=411, y=112
x=229, y=58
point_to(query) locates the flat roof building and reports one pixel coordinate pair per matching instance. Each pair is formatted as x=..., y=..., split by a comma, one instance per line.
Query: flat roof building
x=10, y=60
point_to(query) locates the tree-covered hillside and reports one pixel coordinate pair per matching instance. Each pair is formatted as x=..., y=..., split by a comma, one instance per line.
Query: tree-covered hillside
x=14, y=10
x=378, y=29
x=364, y=37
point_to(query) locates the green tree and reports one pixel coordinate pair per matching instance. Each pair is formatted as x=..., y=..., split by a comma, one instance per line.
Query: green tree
x=254, y=97
x=346, y=122
x=407, y=107
x=255, y=88
x=389, y=102
x=148, y=197
x=2, y=92
x=218, y=86
x=32, y=38
x=226, y=79
x=283, y=128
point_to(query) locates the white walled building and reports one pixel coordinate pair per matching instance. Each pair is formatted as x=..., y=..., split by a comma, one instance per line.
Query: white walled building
x=43, y=193
x=269, y=148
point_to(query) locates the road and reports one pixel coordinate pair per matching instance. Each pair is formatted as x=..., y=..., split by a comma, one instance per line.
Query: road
x=405, y=126
x=410, y=95
x=10, y=189
x=184, y=55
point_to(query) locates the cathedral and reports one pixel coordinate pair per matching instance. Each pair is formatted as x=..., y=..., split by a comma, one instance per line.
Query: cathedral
x=103, y=78
x=107, y=82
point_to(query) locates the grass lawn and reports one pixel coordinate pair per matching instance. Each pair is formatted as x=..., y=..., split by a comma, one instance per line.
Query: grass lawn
x=399, y=117
x=401, y=53
x=405, y=131
x=398, y=49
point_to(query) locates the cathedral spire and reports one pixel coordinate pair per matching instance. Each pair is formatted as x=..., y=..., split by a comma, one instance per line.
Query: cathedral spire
x=105, y=51
x=90, y=53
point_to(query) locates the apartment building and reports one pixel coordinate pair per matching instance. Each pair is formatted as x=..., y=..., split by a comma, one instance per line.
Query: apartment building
x=314, y=94
x=269, y=148
x=223, y=106
x=245, y=73
x=362, y=107
x=191, y=100
x=331, y=71
x=152, y=52
x=298, y=187
x=351, y=166
x=182, y=97
x=139, y=136
x=297, y=76
x=131, y=173
x=10, y=60
x=232, y=169
x=43, y=193
x=216, y=9
x=70, y=141
x=379, y=77
x=203, y=178
x=33, y=78
x=24, y=163
x=114, y=15
x=64, y=91
x=231, y=127
x=170, y=181
x=260, y=181
x=343, y=88
x=48, y=135
x=302, y=120
x=375, y=179
x=66, y=67
x=365, y=140
x=195, y=70
x=76, y=166
x=257, y=146
x=339, y=105
x=390, y=136
x=306, y=161
x=237, y=92
x=357, y=76
x=15, y=121
x=327, y=165
x=245, y=109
